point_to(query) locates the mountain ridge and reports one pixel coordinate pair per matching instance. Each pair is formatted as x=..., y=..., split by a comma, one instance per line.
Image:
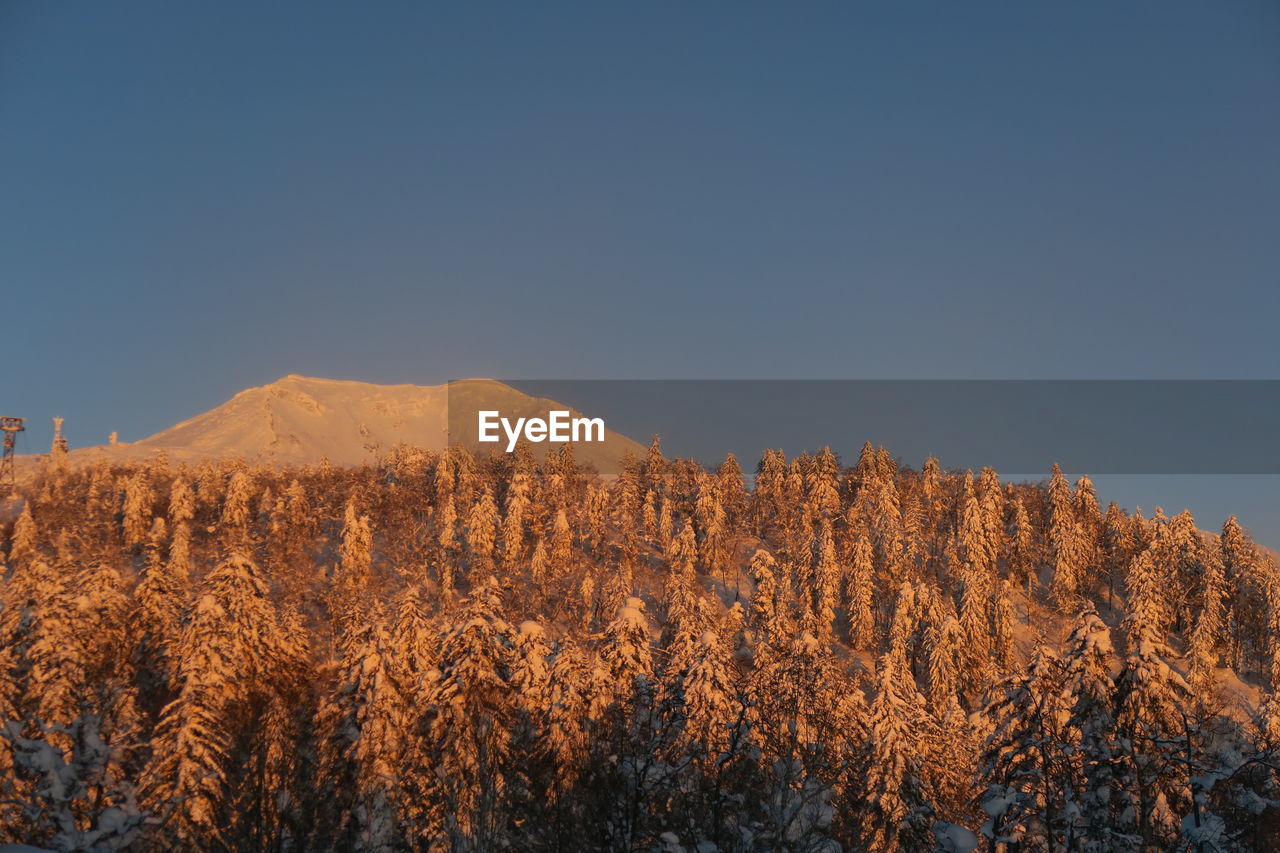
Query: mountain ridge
x=299, y=420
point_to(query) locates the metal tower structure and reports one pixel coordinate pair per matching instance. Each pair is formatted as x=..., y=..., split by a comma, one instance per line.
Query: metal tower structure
x=10, y=427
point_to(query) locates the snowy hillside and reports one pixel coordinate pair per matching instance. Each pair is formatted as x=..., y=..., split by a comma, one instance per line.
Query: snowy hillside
x=300, y=420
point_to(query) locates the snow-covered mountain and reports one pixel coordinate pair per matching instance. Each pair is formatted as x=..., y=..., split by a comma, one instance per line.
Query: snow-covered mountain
x=299, y=420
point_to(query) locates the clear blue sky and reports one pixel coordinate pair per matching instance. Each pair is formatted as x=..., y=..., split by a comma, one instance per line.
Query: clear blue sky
x=196, y=198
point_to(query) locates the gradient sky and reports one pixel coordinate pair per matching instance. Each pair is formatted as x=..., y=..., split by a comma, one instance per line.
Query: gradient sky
x=198, y=198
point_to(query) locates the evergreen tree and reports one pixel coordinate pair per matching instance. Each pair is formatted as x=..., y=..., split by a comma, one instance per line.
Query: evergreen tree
x=897, y=815
x=682, y=557
x=182, y=501
x=945, y=651
x=626, y=650
x=731, y=491
x=1088, y=689
x=23, y=550
x=446, y=539
x=364, y=725
x=806, y=721
x=1066, y=553
x=1148, y=587
x=560, y=555
x=471, y=724
x=977, y=575
x=513, y=522
x=232, y=651
x=826, y=580
x=1089, y=528
x=236, y=510
x=138, y=499
x=1023, y=557
x=356, y=554
x=482, y=531
x=161, y=595
x=1150, y=698
x=1210, y=624
x=1003, y=628
x=1247, y=595
x=1022, y=763
x=768, y=607
x=1119, y=547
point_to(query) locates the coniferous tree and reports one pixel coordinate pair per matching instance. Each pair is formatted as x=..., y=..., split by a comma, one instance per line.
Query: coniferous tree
x=472, y=708
x=231, y=652
x=236, y=511
x=897, y=814
x=945, y=653
x=356, y=553
x=1025, y=771
x=1150, y=700
x=446, y=541
x=1210, y=623
x=23, y=549
x=860, y=596
x=364, y=726
x=977, y=577
x=768, y=607
x=161, y=596
x=482, y=532
x=806, y=723
x=1119, y=546
x=1089, y=528
x=826, y=580
x=138, y=498
x=1245, y=575
x=1023, y=557
x=1087, y=689
x=560, y=553
x=1066, y=554
x=182, y=501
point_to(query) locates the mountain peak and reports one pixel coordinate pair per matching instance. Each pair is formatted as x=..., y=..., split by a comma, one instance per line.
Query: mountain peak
x=298, y=420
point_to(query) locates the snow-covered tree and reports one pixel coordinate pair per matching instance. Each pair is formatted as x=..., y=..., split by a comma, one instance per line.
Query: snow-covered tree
x=861, y=593
x=231, y=653
x=365, y=724
x=897, y=815
x=1087, y=691
x=1209, y=629
x=237, y=513
x=806, y=721
x=560, y=552
x=24, y=548
x=162, y=598
x=182, y=501
x=1066, y=546
x=470, y=728
x=1023, y=767
x=482, y=531
x=78, y=801
x=1024, y=561
x=826, y=574
x=1150, y=700
x=138, y=499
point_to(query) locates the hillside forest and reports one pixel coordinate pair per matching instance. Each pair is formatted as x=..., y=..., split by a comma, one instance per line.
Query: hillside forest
x=448, y=652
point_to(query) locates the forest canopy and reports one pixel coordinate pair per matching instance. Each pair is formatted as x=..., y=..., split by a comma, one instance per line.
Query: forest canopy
x=448, y=652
